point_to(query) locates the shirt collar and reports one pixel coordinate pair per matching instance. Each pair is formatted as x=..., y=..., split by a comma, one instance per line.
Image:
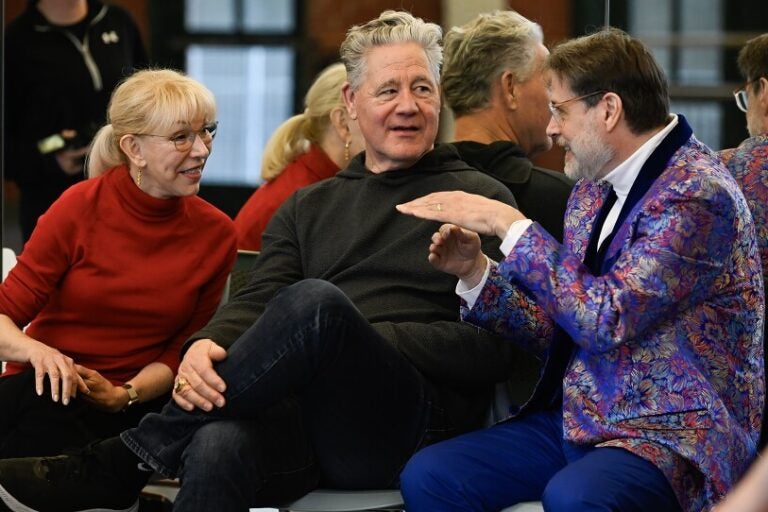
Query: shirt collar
x=623, y=176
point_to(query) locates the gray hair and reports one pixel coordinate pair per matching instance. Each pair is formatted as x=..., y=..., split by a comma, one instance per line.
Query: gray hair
x=391, y=27
x=477, y=53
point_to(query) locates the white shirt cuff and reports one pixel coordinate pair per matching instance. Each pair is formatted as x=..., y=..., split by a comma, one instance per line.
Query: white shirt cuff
x=470, y=295
x=514, y=233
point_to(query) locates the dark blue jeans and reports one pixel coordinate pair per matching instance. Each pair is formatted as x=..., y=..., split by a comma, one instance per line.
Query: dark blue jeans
x=364, y=409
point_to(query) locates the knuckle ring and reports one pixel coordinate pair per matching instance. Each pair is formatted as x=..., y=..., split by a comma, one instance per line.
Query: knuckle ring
x=181, y=383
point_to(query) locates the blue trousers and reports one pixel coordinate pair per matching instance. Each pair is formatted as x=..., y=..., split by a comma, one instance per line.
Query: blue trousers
x=364, y=410
x=526, y=459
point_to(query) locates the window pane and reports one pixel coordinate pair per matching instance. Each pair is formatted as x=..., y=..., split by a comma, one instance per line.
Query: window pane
x=700, y=66
x=663, y=56
x=705, y=119
x=651, y=21
x=701, y=61
x=254, y=93
x=207, y=16
x=269, y=16
x=650, y=17
x=686, y=39
x=701, y=16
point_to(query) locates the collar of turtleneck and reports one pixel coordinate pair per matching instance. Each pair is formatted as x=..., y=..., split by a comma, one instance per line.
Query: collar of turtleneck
x=139, y=203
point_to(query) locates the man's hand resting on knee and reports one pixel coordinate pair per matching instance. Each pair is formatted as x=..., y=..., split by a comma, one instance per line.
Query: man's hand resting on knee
x=197, y=383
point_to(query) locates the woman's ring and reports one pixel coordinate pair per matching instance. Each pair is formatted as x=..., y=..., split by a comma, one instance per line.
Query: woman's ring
x=181, y=383
x=439, y=207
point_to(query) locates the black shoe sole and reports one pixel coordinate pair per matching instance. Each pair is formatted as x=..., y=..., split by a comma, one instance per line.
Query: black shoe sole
x=11, y=504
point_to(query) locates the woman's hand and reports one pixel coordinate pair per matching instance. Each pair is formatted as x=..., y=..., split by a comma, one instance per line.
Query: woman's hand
x=103, y=394
x=60, y=370
x=470, y=211
x=197, y=383
x=457, y=251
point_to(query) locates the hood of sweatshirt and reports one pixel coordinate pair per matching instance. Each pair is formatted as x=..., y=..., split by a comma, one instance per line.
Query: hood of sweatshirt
x=443, y=158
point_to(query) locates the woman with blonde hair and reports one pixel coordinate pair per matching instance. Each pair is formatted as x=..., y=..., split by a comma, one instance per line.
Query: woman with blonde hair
x=117, y=274
x=308, y=147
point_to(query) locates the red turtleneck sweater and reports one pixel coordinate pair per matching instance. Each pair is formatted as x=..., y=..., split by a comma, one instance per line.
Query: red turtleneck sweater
x=117, y=279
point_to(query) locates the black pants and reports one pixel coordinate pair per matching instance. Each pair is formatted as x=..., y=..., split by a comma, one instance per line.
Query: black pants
x=32, y=425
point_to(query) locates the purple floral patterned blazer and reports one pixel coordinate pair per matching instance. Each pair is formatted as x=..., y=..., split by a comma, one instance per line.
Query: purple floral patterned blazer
x=666, y=356
x=749, y=165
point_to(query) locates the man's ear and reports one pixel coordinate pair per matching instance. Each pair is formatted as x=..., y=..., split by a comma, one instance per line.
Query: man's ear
x=509, y=85
x=762, y=95
x=349, y=100
x=613, y=110
x=130, y=145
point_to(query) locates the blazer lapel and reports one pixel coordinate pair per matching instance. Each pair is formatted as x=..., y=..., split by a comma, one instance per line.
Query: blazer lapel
x=651, y=170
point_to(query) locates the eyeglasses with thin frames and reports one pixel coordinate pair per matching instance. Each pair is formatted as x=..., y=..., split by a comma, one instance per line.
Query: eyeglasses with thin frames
x=557, y=112
x=742, y=97
x=183, y=141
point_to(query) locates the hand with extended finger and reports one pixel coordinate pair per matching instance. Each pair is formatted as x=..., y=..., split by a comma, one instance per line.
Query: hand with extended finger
x=457, y=251
x=60, y=370
x=470, y=211
x=197, y=383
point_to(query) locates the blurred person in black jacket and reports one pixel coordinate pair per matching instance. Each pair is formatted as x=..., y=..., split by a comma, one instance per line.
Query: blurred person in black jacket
x=63, y=59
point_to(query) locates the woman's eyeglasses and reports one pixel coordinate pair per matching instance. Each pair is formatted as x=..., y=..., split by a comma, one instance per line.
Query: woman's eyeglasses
x=183, y=141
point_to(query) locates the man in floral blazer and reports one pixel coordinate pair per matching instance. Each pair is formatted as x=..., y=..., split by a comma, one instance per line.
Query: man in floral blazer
x=649, y=316
x=749, y=162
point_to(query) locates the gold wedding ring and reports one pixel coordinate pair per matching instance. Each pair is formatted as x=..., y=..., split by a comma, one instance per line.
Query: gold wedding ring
x=181, y=383
x=439, y=207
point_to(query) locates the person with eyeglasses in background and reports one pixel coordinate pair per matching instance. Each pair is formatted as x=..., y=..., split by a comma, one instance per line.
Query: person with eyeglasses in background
x=117, y=274
x=748, y=163
x=649, y=316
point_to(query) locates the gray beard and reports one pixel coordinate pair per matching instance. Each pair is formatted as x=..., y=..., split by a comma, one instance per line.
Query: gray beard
x=594, y=155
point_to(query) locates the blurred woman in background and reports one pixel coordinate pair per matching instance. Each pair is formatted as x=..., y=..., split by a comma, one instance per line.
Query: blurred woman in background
x=306, y=148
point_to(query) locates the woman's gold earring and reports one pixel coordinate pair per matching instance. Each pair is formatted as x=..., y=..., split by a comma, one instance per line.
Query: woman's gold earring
x=138, y=179
x=346, y=151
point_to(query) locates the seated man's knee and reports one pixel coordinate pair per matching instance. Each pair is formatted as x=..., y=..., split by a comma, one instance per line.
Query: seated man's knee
x=424, y=473
x=311, y=293
x=567, y=491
